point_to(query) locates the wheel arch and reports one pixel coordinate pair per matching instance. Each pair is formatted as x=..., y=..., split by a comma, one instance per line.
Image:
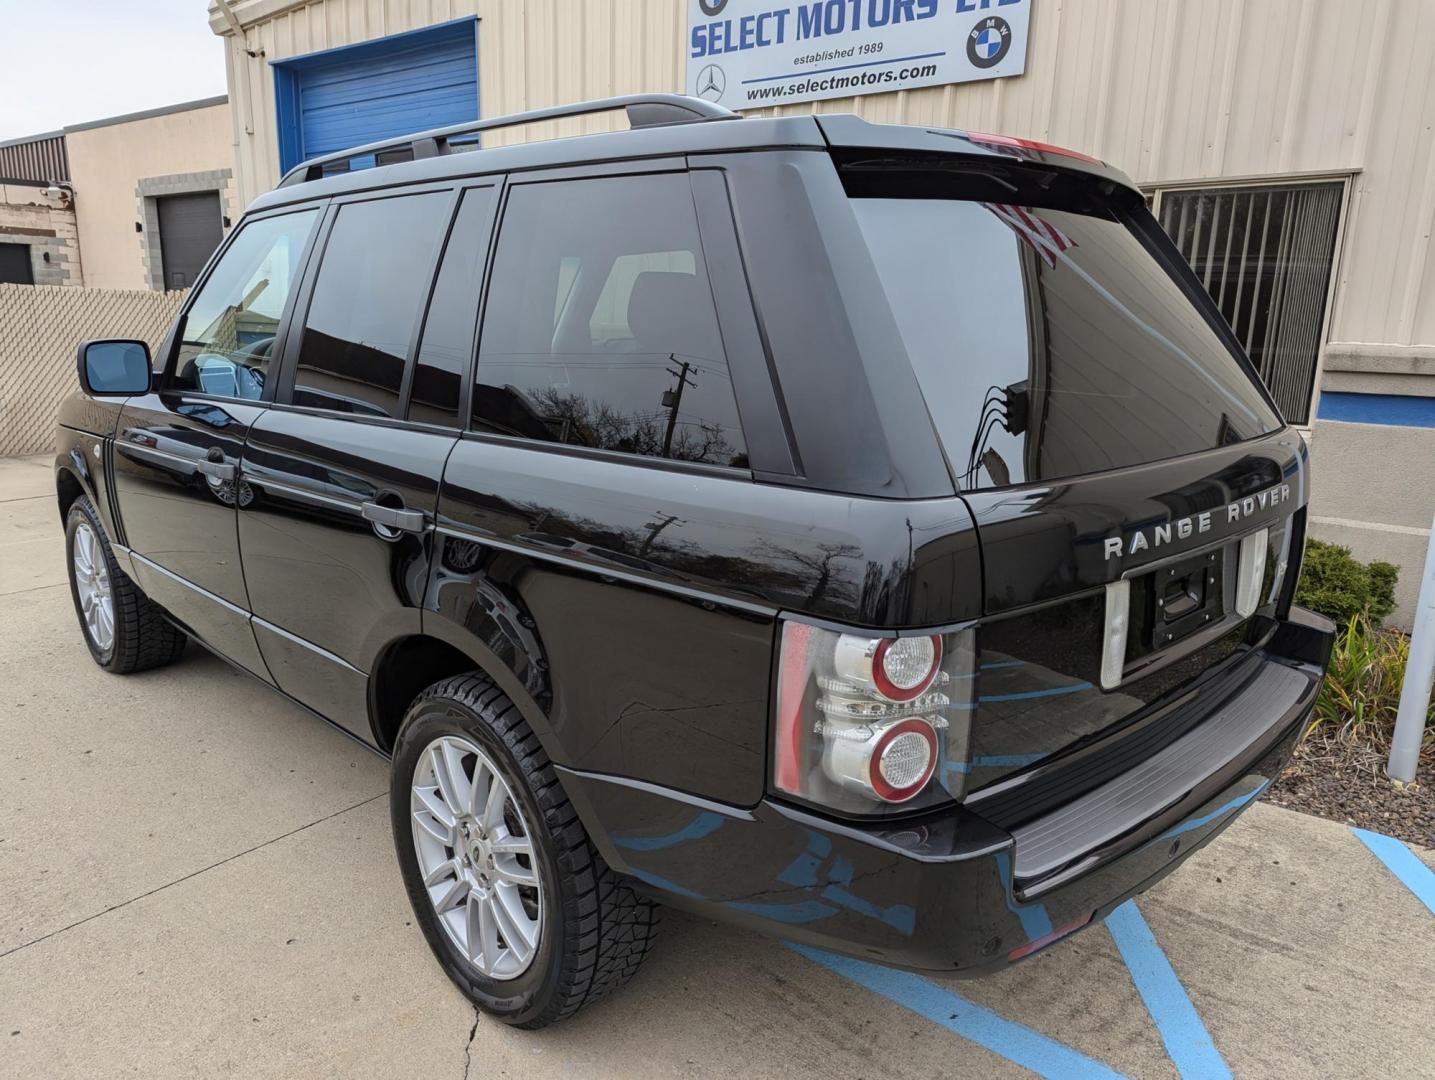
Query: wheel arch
x=408, y=664
x=68, y=488
x=73, y=479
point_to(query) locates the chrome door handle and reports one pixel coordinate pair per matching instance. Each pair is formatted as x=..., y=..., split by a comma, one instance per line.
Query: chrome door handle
x=216, y=470
x=395, y=518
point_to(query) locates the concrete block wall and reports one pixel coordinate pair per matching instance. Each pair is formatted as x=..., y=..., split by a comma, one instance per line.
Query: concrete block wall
x=1373, y=458
x=47, y=226
x=151, y=188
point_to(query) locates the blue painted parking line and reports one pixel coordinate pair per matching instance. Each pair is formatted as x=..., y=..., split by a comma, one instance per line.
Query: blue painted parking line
x=993, y=761
x=1015, y=1042
x=1188, y=1043
x=1206, y=819
x=1026, y=695
x=1401, y=861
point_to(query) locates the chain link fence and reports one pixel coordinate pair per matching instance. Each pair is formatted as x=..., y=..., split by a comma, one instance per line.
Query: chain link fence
x=40, y=328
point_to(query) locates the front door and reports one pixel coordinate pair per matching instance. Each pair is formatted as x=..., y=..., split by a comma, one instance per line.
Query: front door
x=177, y=449
x=345, y=468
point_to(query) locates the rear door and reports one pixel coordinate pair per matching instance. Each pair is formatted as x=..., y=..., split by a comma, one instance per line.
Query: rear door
x=598, y=528
x=346, y=467
x=177, y=449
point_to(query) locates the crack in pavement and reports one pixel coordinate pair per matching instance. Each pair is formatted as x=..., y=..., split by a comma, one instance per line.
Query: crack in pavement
x=468, y=1047
x=194, y=874
x=35, y=588
x=27, y=498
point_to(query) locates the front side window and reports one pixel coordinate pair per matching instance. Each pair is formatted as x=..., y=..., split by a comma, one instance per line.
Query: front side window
x=600, y=328
x=229, y=330
x=367, y=301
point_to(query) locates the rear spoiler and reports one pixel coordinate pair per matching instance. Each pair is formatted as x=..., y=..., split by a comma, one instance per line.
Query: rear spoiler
x=852, y=132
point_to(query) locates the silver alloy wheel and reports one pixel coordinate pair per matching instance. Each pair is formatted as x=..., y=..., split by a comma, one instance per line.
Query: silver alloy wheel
x=92, y=583
x=475, y=852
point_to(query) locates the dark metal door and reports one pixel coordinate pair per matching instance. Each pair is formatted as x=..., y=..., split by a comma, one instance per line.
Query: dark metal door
x=15, y=264
x=189, y=231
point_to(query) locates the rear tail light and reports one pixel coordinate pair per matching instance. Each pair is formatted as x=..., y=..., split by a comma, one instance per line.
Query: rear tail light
x=868, y=724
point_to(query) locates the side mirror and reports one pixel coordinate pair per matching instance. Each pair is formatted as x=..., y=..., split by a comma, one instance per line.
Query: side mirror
x=114, y=367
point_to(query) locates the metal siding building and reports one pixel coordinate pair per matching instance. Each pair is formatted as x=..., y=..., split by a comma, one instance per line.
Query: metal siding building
x=1184, y=95
x=40, y=158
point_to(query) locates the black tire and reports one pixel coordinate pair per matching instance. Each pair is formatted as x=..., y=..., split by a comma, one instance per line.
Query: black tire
x=596, y=928
x=144, y=638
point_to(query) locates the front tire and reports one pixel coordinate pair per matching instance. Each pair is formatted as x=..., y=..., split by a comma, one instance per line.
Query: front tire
x=124, y=629
x=517, y=905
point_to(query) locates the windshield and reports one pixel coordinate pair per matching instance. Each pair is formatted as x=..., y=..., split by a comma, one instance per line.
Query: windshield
x=1051, y=344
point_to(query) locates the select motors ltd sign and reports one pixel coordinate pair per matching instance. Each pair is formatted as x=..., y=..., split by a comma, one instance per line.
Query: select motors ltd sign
x=746, y=54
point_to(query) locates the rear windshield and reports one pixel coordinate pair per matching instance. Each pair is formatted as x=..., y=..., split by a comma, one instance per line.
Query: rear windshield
x=1051, y=344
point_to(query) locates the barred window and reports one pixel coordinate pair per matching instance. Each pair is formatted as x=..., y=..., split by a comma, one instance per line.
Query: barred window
x=1265, y=253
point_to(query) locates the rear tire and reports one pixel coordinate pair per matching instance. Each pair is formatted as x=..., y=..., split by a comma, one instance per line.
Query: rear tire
x=593, y=929
x=124, y=629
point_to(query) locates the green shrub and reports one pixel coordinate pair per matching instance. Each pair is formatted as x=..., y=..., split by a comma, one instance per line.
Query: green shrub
x=1339, y=586
x=1361, y=693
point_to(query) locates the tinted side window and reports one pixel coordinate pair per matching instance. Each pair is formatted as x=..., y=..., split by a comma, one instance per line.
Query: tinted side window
x=367, y=301
x=447, y=341
x=231, y=324
x=600, y=329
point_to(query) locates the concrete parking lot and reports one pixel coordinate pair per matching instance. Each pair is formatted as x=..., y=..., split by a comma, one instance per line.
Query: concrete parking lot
x=196, y=879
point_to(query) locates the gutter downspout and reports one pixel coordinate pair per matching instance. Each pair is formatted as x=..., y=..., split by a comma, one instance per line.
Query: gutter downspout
x=236, y=30
x=236, y=53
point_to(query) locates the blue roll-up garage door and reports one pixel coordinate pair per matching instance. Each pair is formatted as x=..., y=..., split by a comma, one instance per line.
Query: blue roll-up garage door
x=380, y=89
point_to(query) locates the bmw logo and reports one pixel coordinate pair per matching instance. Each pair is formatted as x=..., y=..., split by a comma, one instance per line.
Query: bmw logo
x=988, y=42
x=711, y=83
x=712, y=7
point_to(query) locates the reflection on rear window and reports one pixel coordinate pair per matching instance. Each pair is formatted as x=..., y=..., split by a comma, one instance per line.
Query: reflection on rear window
x=1051, y=344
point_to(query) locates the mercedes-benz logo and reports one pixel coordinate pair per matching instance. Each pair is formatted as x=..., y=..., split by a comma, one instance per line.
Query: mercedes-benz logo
x=711, y=83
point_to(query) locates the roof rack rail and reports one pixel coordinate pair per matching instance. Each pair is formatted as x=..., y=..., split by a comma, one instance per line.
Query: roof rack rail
x=644, y=110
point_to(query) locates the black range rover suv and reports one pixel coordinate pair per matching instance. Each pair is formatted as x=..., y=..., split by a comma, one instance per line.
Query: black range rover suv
x=872, y=536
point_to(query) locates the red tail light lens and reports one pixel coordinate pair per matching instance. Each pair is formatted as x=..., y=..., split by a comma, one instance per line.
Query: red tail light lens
x=865, y=723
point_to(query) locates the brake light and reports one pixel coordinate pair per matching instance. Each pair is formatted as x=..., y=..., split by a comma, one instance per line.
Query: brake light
x=864, y=723
x=1008, y=142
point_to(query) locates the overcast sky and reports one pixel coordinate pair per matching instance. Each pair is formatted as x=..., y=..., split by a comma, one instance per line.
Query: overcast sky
x=71, y=61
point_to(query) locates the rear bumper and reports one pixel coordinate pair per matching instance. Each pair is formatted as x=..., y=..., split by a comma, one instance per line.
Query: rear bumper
x=951, y=892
